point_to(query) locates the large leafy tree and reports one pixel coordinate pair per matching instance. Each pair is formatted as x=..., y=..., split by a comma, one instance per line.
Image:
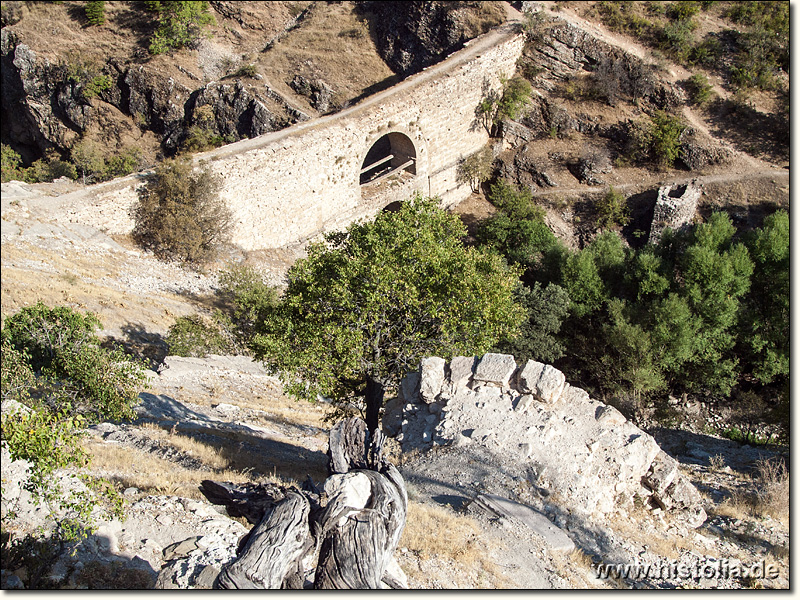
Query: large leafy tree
x=367, y=304
x=765, y=326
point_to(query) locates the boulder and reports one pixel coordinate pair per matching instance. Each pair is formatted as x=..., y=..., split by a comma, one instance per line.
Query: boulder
x=495, y=369
x=431, y=378
x=545, y=382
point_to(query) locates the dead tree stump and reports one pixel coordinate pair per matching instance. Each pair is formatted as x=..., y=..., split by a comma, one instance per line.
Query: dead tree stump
x=340, y=537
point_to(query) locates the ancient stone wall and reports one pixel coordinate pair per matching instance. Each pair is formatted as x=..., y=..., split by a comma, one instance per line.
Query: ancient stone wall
x=290, y=185
x=675, y=208
x=579, y=448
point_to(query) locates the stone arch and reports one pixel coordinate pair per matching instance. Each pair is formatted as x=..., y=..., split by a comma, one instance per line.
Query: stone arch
x=393, y=152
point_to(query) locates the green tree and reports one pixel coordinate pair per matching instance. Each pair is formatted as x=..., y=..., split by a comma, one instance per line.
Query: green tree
x=180, y=214
x=517, y=230
x=88, y=160
x=367, y=304
x=476, y=168
x=249, y=299
x=628, y=361
x=55, y=367
x=538, y=336
x=95, y=12
x=180, y=24
x=612, y=210
x=765, y=321
x=492, y=109
x=716, y=274
x=583, y=283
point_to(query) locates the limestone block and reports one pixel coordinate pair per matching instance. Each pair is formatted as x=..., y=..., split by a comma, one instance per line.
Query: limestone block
x=545, y=382
x=608, y=416
x=574, y=395
x=661, y=474
x=431, y=378
x=530, y=374
x=461, y=369
x=550, y=384
x=553, y=536
x=523, y=403
x=682, y=493
x=495, y=369
x=639, y=452
x=409, y=388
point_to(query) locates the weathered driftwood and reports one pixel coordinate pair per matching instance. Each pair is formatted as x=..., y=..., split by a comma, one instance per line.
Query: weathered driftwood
x=274, y=548
x=340, y=537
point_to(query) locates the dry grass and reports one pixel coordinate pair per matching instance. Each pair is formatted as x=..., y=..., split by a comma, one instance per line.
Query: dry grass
x=132, y=467
x=770, y=495
x=772, y=491
x=435, y=531
x=446, y=549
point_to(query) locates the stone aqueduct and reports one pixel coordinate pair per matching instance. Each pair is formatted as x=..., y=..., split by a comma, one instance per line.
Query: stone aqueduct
x=288, y=186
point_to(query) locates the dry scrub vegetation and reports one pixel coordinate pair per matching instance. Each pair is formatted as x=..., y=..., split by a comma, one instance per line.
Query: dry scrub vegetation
x=770, y=496
x=437, y=540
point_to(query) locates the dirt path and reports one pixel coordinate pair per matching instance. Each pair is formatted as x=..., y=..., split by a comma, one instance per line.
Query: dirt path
x=674, y=74
x=782, y=176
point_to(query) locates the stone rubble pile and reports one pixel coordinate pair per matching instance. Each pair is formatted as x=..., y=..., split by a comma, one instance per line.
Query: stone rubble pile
x=582, y=451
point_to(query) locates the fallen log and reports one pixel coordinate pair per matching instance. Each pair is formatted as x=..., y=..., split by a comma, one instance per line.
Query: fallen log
x=342, y=536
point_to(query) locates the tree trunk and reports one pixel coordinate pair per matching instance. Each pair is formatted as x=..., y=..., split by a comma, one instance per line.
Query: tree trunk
x=341, y=538
x=374, y=400
x=274, y=549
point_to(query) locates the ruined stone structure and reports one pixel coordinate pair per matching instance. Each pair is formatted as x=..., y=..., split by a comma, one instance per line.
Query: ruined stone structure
x=320, y=175
x=675, y=208
x=542, y=429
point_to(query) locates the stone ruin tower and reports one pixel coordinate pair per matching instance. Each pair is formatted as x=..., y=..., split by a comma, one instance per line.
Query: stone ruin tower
x=675, y=208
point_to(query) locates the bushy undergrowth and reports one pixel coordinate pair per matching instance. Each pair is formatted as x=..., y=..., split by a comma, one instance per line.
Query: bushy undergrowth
x=688, y=314
x=246, y=299
x=62, y=380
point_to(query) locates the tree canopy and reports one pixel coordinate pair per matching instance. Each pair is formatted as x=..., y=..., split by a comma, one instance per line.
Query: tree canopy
x=367, y=304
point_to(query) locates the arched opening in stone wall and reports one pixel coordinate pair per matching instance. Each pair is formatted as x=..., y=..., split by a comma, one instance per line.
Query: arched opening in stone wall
x=393, y=206
x=393, y=153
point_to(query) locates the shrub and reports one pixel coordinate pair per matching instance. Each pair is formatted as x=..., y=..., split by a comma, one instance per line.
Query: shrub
x=250, y=299
x=10, y=165
x=180, y=24
x=60, y=345
x=246, y=71
x=123, y=163
x=180, y=215
x=49, y=170
x=677, y=39
x=476, y=168
x=700, y=90
x=656, y=142
x=198, y=337
x=612, y=210
x=95, y=12
x=495, y=107
x=55, y=367
x=683, y=9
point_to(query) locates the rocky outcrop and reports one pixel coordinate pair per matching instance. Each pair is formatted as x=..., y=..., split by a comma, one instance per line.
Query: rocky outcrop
x=413, y=35
x=581, y=450
x=675, y=208
x=34, y=96
x=559, y=51
x=525, y=169
x=45, y=107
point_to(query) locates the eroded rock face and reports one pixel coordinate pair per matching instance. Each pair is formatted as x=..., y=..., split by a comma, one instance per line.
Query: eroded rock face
x=584, y=451
x=43, y=108
x=414, y=35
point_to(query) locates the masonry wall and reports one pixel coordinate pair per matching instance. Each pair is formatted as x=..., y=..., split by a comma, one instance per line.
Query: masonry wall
x=290, y=185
